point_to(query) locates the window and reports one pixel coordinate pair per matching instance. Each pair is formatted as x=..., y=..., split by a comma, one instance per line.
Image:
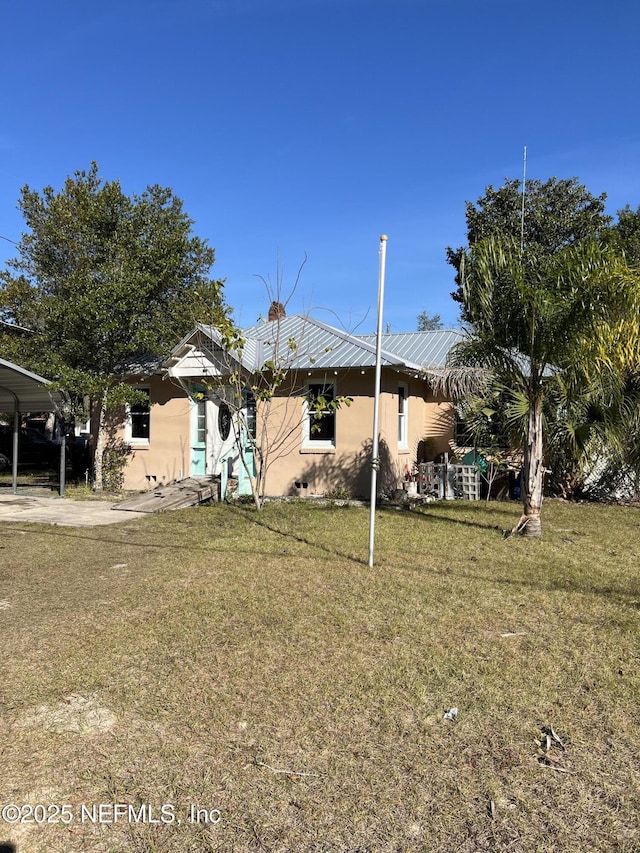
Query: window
x=201, y=422
x=402, y=416
x=224, y=421
x=462, y=432
x=138, y=420
x=320, y=422
x=250, y=414
x=198, y=394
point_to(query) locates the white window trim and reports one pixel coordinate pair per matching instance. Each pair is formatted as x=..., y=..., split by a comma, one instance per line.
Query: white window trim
x=403, y=418
x=309, y=443
x=129, y=439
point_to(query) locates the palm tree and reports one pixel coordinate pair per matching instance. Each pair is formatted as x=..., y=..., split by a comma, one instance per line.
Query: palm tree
x=543, y=322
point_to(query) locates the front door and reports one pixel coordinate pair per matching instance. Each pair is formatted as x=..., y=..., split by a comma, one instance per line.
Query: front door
x=224, y=451
x=199, y=437
x=213, y=440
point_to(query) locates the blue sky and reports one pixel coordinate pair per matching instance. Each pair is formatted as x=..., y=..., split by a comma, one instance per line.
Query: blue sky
x=313, y=126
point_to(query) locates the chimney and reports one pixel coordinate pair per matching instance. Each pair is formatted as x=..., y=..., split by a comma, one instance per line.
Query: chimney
x=276, y=311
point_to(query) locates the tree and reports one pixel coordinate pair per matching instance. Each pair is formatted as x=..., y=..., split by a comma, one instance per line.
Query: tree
x=558, y=213
x=265, y=404
x=600, y=423
x=269, y=400
x=625, y=234
x=104, y=277
x=488, y=425
x=607, y=419
x=542, y=320
x=428, y=322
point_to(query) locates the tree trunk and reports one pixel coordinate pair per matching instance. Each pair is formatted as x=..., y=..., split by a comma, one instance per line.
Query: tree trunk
x=244, y=440
x=532, y=473
x=100, y=442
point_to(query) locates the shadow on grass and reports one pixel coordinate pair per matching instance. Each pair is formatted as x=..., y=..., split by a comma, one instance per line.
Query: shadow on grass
x=259, y=520
x=244, y=514
x=556, y=584
x=629, y=598
x=428, y=515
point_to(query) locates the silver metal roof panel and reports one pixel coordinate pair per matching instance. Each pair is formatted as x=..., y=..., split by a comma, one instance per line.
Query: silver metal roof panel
x=302, y=343
x=428, y=349
x=30, y=391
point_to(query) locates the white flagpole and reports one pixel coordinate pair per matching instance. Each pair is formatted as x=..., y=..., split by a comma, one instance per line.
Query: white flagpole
x=375, y=461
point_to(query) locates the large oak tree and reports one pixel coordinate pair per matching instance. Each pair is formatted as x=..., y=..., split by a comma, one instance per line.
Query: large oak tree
x=103, y=277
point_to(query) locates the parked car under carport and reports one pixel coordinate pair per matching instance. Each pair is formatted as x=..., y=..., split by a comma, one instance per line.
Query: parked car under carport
x=21, y=392
x=35, y=450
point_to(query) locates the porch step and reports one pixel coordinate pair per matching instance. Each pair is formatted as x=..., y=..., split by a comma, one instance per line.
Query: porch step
x=178, y=495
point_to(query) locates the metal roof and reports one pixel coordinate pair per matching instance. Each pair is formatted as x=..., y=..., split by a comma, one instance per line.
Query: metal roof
x=428, y=349
x=141, y=365
x=302, y=343
x=28, y=390
x=319, y=346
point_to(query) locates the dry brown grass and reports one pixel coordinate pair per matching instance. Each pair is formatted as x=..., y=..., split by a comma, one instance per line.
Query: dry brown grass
x=255, y=665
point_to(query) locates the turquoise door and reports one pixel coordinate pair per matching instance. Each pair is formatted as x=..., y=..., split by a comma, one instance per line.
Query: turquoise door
x=244, y=484
x=199, y=438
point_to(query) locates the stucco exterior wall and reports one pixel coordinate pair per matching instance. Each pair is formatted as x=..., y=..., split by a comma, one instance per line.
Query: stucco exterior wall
x=438, y=426
x=296, y=468
x=309, y=470
x=167, y=456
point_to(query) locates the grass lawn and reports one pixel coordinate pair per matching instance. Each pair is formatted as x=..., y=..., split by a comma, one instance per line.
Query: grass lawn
x=254, y=667
x=42, y=480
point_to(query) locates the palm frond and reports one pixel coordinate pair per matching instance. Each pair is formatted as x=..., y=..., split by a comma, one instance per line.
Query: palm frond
x=458, y=383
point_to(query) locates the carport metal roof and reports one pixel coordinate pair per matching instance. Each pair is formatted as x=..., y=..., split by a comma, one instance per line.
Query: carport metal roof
x=28, y=390
x=23, y=391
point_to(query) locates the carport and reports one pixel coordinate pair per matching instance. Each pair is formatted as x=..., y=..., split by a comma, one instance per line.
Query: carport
x=23, y=391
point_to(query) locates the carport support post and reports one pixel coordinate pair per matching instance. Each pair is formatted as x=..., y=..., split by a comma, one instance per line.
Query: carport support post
x=16, y=433
x=63, y=464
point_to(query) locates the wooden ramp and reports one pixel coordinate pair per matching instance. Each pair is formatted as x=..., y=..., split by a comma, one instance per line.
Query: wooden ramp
x=179, y=495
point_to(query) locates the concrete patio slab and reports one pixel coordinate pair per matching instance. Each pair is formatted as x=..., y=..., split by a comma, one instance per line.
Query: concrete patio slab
x=61, y=511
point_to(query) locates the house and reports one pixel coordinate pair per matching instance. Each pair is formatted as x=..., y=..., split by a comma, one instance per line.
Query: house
x=185, y=429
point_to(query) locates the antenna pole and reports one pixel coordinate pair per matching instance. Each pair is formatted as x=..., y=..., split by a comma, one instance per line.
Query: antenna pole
x=524, y=188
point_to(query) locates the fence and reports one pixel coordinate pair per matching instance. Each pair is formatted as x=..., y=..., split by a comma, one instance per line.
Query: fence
x=448, y=481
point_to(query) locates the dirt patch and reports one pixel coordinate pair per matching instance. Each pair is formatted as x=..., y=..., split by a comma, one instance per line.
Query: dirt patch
x=76, y=713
